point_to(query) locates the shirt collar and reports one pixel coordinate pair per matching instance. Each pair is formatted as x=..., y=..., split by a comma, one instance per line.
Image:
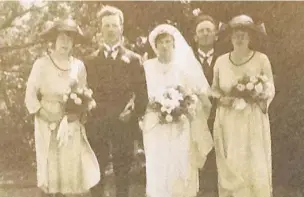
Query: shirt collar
x=113, y=48
x=208, y=54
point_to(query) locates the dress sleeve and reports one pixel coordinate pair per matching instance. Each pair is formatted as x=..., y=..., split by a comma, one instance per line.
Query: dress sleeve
x=32, y=88
x=215, y=88
x=267, y=70
x=82, y=75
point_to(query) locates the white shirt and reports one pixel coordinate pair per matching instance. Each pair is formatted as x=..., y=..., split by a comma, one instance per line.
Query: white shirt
x=114, y=50
x=203, y=55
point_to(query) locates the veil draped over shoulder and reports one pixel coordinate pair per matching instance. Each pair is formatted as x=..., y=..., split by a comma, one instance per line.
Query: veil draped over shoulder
x=185, y=60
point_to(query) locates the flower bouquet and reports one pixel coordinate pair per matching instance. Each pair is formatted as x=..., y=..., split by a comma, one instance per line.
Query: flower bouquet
x=251, y=89
x=78, y=100
x=173, y=104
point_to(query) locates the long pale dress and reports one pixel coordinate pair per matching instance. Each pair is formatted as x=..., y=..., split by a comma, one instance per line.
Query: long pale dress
x=174, y=152
x=69, y=169
x=242, y=137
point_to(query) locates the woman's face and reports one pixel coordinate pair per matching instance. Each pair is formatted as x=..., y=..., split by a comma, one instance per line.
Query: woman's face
x=240, y=38
x=165, y=45
x=64, y=42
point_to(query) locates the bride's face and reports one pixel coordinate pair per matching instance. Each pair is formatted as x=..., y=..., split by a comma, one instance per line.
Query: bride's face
x=164, y=45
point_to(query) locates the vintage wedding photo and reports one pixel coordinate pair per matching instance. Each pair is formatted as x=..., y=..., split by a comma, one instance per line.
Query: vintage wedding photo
x=151, y=99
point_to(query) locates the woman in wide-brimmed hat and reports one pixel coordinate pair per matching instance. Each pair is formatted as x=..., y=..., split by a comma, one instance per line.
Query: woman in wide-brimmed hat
x=243, y=85
x=66, y=163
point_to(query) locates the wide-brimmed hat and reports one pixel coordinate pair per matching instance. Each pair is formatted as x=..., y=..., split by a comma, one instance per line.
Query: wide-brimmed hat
x=242, y=22
x=67, y=25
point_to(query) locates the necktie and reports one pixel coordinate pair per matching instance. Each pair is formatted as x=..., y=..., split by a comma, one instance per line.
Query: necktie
x=110, y=54
x=205, y=62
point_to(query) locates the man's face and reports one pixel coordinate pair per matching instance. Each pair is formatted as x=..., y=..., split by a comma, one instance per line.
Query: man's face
x=205, y=33
x=111, y=28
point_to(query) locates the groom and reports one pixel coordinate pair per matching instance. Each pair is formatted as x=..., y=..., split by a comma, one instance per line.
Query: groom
x=119, y=85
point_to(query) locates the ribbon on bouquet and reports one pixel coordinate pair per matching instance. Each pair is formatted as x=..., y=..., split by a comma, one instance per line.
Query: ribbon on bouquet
x=63, y=132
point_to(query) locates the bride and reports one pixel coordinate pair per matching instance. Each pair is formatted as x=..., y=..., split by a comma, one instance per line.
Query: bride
x=176, y=150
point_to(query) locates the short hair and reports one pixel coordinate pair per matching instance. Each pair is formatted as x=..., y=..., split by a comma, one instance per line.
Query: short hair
x=203, y=17
x=161, y=36
x=110, y=10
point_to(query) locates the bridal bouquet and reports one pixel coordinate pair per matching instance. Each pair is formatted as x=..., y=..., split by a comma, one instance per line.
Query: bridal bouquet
x=173, y=104
x=251, y=89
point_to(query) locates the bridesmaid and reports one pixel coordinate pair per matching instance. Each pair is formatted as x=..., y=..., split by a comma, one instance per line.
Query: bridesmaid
x=61, y=170
x=242, y=135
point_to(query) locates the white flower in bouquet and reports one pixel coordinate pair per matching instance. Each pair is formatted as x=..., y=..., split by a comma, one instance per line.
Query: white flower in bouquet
x=88, y=93
x=240, y=87
x=169, y=118
x=175, y=94
x=73, y=96
x=174, y=103
x=162, y=109
x=78, y=101
x=259, y=88
x=65, y=98
x=264, y=78
x=239, y=104
x=249, y=86
x=68, y=90
x=166, y=109
x=253, y=79
x=92, y=104
x=80, y=90
x=268, y=85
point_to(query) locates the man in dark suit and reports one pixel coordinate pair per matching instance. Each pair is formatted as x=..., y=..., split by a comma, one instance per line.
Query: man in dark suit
x=205, y=37
x=119, y=85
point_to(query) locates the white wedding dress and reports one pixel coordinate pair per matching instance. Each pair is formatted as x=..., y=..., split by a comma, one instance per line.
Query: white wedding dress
x=174, y=152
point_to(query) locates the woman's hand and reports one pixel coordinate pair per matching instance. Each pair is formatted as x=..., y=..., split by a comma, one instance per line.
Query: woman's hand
x=49, y=116
x=73, y=117
x=226, y=100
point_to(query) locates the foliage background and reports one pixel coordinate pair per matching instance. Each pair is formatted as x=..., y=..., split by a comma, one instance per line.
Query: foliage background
x=21, y=23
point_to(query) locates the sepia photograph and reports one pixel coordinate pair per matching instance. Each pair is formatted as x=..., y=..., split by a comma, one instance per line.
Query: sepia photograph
x=176, y=98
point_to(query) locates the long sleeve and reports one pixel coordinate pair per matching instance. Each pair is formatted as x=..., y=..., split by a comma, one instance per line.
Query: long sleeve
x=82, y=75
x=32, y=89
x=140, y=88
x=266, y=68
x=215, y=88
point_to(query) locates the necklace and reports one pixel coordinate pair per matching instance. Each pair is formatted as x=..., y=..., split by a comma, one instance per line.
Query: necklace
x=61, y=72
x=240, y=64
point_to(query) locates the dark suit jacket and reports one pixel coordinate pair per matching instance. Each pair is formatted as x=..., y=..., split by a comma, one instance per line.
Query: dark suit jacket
x=113, y=83
x=208, y=72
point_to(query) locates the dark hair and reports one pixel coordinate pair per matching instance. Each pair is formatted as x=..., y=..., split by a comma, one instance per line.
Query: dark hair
x=202, y=18
x=253, y=36
x=110, y=11
x=161, y=36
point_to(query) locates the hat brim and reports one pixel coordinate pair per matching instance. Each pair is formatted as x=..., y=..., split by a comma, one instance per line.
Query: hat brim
x=51, y=33
x=227, y=30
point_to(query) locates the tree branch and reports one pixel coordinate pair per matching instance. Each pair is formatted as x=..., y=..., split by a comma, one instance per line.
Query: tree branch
x=21, y=46
x=10, y=20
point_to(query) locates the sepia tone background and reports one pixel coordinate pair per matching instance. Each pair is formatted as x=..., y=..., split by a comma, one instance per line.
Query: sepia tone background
x=20, y=45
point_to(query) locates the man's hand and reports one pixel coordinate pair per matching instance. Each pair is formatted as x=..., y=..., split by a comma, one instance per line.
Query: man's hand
x=127, y=112
x=125, y=116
